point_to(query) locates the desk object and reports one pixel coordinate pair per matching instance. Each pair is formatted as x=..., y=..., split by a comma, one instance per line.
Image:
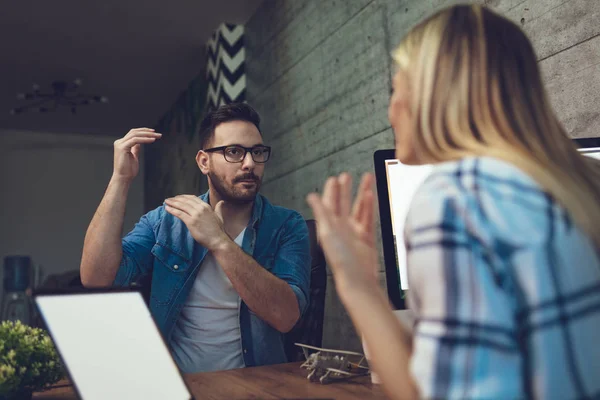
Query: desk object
x=281, y=381
x=328, y=365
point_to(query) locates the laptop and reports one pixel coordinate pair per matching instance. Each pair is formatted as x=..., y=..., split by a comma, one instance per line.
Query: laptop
x=396, y=185
x=110, y=345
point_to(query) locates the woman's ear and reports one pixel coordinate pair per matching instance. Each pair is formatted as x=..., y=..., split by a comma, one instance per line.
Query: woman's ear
x=203, y=161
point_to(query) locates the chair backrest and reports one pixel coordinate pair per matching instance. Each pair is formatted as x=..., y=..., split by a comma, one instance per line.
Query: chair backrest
x=310, y=328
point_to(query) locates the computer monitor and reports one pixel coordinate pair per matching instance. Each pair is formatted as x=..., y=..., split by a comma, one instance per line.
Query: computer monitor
x=396, y=185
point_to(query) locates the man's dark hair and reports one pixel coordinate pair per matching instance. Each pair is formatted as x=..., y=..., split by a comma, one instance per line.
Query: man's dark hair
x=226, y=113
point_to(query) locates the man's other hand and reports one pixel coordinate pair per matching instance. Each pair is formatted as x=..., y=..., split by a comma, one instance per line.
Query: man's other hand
x=204, y=223
x=127, y=149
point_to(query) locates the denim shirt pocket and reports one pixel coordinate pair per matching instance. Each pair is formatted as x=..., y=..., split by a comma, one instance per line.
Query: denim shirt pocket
x=170, y=269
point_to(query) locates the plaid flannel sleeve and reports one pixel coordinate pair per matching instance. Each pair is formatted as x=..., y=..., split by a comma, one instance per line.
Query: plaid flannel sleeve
x=465, y=343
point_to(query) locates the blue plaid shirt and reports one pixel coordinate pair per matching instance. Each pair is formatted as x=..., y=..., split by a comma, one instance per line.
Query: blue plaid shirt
x=505, y=288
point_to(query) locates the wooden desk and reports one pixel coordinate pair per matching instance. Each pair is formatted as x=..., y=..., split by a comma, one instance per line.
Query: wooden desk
x=283, y=381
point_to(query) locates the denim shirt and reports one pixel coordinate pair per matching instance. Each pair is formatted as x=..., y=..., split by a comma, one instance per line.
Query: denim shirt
x=160, y=244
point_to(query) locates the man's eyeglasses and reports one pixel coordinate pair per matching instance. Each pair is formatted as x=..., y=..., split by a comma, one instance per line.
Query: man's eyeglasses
x=235, y=153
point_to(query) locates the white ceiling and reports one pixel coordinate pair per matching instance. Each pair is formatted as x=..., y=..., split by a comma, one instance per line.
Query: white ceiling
x=140, y=54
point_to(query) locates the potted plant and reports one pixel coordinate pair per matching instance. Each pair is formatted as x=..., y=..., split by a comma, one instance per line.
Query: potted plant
x=28, y=361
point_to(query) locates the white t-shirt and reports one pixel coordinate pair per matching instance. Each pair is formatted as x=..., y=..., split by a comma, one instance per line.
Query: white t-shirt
x=207, y=335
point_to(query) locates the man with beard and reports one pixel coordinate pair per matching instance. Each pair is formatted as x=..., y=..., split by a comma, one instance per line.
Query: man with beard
x=230, y=271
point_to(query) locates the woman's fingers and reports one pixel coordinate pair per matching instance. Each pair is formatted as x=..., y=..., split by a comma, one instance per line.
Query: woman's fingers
x=345, y=183
x=367, y=219
x=358, y=208
x=320, y=212
x=331, y=195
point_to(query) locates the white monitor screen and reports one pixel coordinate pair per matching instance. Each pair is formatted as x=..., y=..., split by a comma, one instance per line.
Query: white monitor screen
x=403, y=182
x=593, y=152
x=111, y=346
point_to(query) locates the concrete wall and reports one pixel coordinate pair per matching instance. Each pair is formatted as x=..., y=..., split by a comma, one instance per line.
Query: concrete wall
x=319, y=72
x=170, y=166
x=51, y=185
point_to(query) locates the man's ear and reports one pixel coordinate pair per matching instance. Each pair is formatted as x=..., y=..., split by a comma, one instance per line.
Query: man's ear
x=203, y=161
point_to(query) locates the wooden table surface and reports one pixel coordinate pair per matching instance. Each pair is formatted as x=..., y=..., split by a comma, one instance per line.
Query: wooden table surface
x=283, y=381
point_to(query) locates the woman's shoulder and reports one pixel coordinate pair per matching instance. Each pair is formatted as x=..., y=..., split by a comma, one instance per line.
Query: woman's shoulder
x=475, y=172
x=482, y=192
x=477, y=176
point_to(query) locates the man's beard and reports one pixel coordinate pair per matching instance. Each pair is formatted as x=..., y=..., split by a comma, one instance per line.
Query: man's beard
x=233, y=193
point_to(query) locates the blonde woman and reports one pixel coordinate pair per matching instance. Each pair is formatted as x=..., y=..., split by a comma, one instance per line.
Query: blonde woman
x=502, y=238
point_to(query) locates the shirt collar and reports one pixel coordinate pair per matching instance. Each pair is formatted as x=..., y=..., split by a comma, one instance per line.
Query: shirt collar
x=257, y=208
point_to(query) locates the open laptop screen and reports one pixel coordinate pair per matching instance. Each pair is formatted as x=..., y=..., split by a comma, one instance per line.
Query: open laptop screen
x=111, y=346
x=396, y=186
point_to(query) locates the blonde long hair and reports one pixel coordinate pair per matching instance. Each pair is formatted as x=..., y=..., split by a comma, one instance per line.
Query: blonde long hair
x=476, y=90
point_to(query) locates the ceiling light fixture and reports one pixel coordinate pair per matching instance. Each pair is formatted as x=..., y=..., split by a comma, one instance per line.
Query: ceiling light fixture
x=64, y=94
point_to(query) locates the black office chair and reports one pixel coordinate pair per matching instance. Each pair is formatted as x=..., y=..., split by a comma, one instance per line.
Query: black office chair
x=310, y=328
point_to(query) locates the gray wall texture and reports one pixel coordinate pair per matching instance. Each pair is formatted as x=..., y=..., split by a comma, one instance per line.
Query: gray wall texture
x=319, y=72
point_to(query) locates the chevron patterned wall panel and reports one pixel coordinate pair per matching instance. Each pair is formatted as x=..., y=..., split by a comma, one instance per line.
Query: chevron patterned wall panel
x=225, y=71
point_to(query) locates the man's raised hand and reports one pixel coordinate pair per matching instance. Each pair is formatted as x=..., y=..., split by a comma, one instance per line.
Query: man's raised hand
x=126, y=149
